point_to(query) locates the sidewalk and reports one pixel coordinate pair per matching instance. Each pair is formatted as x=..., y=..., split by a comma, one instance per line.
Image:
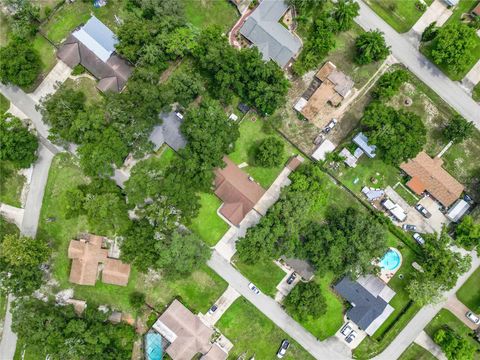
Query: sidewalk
x=427, y=343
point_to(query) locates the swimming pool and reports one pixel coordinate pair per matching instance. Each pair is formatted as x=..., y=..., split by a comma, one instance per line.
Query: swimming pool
x=391, y=260
x=153, y=346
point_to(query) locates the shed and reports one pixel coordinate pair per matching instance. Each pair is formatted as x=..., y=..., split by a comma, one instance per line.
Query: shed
x=323, y=149
x=457, y=210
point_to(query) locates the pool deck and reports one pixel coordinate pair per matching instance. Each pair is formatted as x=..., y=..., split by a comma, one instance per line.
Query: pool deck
x=387, y=275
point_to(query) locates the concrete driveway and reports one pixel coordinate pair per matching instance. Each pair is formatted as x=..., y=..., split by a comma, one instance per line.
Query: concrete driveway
x=472, y=78
x=457, y=308
x=427, y=343
x=55, y=77
x=12, y=213
x=9, y=338
x=438, y=219
x=438, y=12
x=223, y=303
x=358, y=337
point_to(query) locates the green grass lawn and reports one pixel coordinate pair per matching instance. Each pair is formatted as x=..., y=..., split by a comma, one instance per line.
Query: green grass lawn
x=198, y=291
x=476, y=93
x=406, y=195
x=11, y=184
x=446, y=318
x=469, y=293
x=48, y=58
x=210, y=12
x=252, y=333
x=4, y=29
x=329, y=323
x=87, y=86
x=4, y=104
x=208, y=225
x=71, y=15
x=251, y=133
x=399, y=15
x=265, y=275
x=416, y=352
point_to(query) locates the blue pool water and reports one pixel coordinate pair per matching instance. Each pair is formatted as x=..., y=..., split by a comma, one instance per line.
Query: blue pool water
x=390, y=261
x=153, y=346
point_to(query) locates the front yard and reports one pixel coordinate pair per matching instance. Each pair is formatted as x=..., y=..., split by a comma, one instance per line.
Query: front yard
x=416, y=352
x=208, y=225
x=253, y=334
x=469, y=293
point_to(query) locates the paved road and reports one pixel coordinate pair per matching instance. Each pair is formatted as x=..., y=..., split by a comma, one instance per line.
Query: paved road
x=9, y=339
x=406, y=53
x=423, y=317
x=329, y=349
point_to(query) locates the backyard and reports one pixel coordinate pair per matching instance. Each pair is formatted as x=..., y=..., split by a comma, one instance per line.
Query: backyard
x=210, y=12
x=253, y=334
x=401, y=16
x=469, y=293
x=446, y=318
x=416, y=352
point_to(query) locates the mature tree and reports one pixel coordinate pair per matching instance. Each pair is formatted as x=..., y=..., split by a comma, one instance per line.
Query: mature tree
x=20, y=64
x=57, y=332
x=454, y=345
x=24, y=18
x=133, y=35
x=467, y=232
x=17, y=144
x=107, y=214
x=458, y=129
x=346, y=243
x=306, y=300
x=269, y=152
x=441, y=269
x=398, y=135
x=454, y=46
x=137, y=299
x=371, y=47
x=20, y=260
x=344, y=13
x=185, y=86
x=389, y=84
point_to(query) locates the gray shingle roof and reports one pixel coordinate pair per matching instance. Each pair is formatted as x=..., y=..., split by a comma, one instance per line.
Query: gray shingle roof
x=169, y=132
x=273, y=40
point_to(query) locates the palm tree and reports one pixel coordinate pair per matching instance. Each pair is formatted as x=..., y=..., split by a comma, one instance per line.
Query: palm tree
x=344, y=13
x=371, y=47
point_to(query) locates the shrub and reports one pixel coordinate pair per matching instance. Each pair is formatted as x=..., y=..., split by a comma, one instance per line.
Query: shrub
x=430, y=32
x=77, y=70
x=305, y=300
x=421, y=6
x=270, y=152
x=137, y=299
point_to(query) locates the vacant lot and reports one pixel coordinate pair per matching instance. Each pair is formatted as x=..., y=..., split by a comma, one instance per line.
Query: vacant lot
x=253, y=334
x=416, y=352
x=469, y=293
x=210, y=12
x=11, y=184
x=399, y=15
x=266, y=275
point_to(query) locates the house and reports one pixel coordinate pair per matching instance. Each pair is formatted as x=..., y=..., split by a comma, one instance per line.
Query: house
x=457, y=210
x=168, y=133
x=394, y=209
x=362, y=142
x=87, y=255
x=428, y=175
x=301, y=267
x=185, y=335
x=238, y=191
x=93, y=46
x=369, y=297
x=274, y=41
x=334, y=86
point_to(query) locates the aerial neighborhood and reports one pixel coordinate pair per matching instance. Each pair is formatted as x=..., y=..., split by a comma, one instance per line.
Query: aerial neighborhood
x=239, y=179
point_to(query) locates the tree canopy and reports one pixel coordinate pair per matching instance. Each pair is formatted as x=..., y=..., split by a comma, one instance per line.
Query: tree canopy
x=389, y=83
x=17, y=144
x=306, y=300
x=20, y=64
x=344, y=13
x=399, y=135
x=467, y=232
x=458, y=129
x=371, y=47
x=269, y=152
x=454, y=345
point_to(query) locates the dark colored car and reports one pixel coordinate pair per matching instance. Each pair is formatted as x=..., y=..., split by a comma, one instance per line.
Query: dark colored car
x=421, y=209
x=283, y=349
x=408, y=227
x=291, y=278
x=351, y=337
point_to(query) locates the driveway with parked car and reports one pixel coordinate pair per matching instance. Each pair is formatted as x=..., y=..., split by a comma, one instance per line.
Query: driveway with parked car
x=462, y=312
x=350, y=334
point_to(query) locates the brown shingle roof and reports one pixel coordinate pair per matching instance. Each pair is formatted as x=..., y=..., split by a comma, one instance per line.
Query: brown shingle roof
x=115, y=272
x=428, y=173
x=237, y=191
x=295, y=162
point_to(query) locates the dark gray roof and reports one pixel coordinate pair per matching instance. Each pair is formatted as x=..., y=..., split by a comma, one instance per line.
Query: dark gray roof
x=365, y=307
x=169, y=132
x=301, y=267
x=273, y=40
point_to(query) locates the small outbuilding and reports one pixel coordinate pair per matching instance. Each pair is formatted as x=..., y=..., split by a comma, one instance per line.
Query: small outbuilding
x=457, y=210
x=362, y=141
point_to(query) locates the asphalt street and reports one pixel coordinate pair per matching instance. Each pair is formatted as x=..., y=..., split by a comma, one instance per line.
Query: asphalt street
x=406, y=53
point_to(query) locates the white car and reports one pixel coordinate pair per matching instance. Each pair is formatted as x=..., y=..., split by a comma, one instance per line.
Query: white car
x=179, y=115
x=283, y=349
x=253, y=288
x=472, y=317
x=419, y=239
x=330, y=126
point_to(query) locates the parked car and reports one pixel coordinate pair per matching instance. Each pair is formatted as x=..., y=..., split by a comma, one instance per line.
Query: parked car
x=291, y=278
x=212, y=309
x=421, y=209
x=179, y=115
x=472, y=317
x=419, y=239
x=346, y=330
x=351, y=337
x=408, y=227
x=330, y=126
x=283, y=349
x=253, y=288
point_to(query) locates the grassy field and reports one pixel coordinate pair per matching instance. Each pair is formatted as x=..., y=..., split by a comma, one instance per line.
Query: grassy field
x=4, y=104
x=446, y=318
x=208, y=225
x=469, y=293
x=416, y=352
x=401, y=16
x=87, y=86
x=265, y=275
x=11, y=184
x=254, y=334
x=197, y=291
x=327, y=324
x=251, y=133
x=210, y=12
